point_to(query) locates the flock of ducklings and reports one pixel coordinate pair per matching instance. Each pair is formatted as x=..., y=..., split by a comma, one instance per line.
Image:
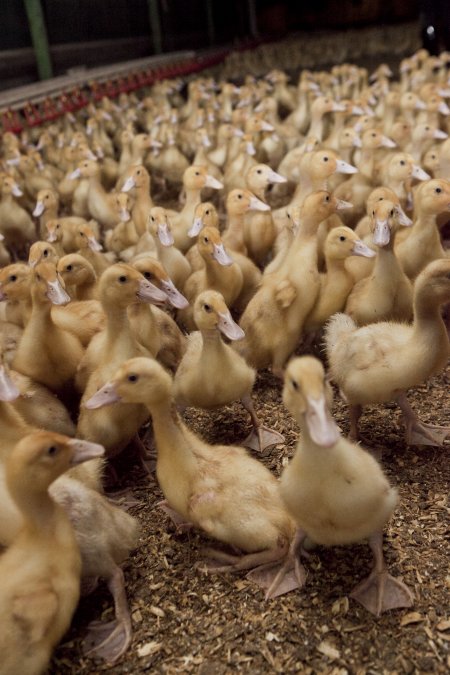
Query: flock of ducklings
x=115, y=312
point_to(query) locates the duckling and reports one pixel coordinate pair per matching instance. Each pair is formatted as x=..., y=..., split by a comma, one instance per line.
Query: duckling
x=47, y=353
x=153, y=328
x=219, y=273
x=385, y=295
x=337, y=282
x=171, y=257
x=334, y=489
x=47, y=206
x=195, y=178
x=16, y=225
x=89, y=248
x=100, y=203
x=137, y=179
x=43, y=563
x=5, y=257
x=205, y=215
x=220, y=489
x=119, y=287
x=273, y=320
x=238, y=203
x=379, y=362
x=423, y=243
x=124, y=235
x=79, y=274
x=42, y=251
x=211, y=374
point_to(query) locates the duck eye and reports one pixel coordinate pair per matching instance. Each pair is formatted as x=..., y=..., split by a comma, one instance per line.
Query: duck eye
x=294, y=384
x=392, y=212
x=45, y=252
x=438, y=190
x=327, y=198
x=239, y=196
x=207, y=308
x=259, y=171
x=207, y=212
x=206, y=240
x=427, y=128
x=197, y=173
x=52, y=451
x=402, y=162
x=133, y=378
x=13, y=277
x=123, y=279
x=325, y=159
x=153, y=219
x=38, y=277
x=148, y=275
x=342, y=238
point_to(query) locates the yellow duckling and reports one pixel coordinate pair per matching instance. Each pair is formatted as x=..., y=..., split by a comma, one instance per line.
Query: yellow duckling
x=195, y=178
x=336, y=283
x=424, y=243
x=380, y=362
x=211, y=374
x=334, y=489
x=90, y=248
x=100, y=203
x=47, y=206
x=42, y=251
x=124, y=236
x=205, y=215
x=238, y=203
x=120, y=286
x=385, y=295
x=171, y=257
x=153, y=328
x=220, y=489
x=137, y=180
x=219, y=273
x=16, y=225
x=273, y=320
x=259, y=228
x=43, y=563
x=78, y=274
x=47, y=353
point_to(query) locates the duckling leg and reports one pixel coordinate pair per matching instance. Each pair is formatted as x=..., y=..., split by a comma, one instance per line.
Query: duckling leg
x=417, y=432
x=110, y=640
x=381, y=591
x=288, y=576
x=355, y=412
x=261, y=437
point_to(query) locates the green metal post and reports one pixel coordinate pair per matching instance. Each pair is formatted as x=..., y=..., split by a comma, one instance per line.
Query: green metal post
x=210, y=22
x=155, y=24
x=39, y=37
x=253, y=23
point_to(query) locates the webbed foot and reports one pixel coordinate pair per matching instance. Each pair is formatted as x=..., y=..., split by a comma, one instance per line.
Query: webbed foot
x=381, y=592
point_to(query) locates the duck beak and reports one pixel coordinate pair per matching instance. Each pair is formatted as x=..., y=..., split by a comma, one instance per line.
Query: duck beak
x=56, y=293
x=38, y=209
x=195, y=228
x=321, y=426
x=104, y=396
x=387, y=142
x=443, y=108
x=94, y=245
x=250, y=148
x=265, y=126
x=357, y=142
x=124, y=215
x=212, y=182
x=165, y=235
x=419, y=173
x=256, y=204
x=84, y=450
x=174, y=296
x=382, y=233
x=228, y=326
x=129, y=184
x=8, y=390
x=17, y=192
x=360, y=248
x=75, y=174
x=439, y=134
x=51, y=236
x=403, y=218
x=148, y=292
x=357, y=110
x=275, y=177
x=341, y=205
x=338, y=107
x=221, y=256
x=345, y=167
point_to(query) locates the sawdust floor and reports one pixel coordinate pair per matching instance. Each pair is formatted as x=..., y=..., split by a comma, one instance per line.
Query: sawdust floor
x=187, y=622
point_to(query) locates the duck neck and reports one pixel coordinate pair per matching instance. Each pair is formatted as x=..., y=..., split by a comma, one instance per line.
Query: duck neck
x=85, y=290
x=366, y=163
x=117, y=325
x=13, y=427
x=170, y=432
x=213, y=346
x=316, y=127
x=235, y=229
x=38, y=509
x=429, y=325
x=193, y=197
